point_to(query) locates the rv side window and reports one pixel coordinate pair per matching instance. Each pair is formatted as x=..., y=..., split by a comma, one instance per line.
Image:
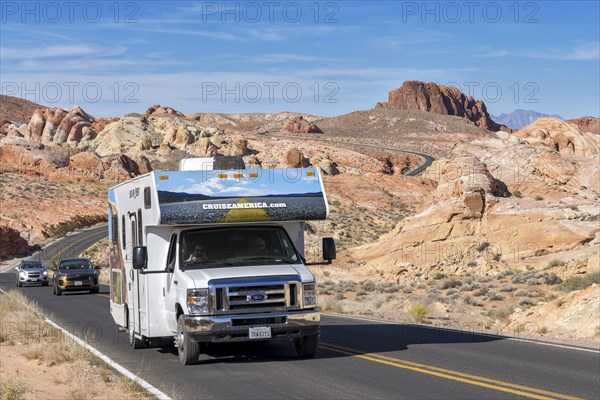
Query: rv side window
x=123, y=234
x=171, y=255
x=140, y=229
x=147, y=199
x=114, y=228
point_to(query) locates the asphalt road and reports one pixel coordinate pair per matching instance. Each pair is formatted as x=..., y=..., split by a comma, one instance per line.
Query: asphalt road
x=357, y=358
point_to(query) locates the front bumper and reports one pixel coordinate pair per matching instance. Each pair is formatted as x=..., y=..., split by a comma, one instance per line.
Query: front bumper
x=42, y=279
x=69, y=284
x=234, y=328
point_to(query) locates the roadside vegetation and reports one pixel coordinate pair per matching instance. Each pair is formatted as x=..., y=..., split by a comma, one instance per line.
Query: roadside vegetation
x=38, y=361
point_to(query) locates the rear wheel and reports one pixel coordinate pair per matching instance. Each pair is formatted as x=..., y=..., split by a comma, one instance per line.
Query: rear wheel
x=307, y=346
x=187, y=349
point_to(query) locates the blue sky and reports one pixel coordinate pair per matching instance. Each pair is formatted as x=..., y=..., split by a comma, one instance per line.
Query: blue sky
x=325, y=58
x=274, y=181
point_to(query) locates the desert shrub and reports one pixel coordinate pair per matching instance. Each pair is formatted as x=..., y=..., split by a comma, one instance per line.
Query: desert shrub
x=482, y=246
x=421, y=286
x=471, y=264
x=12, y=389
x=449, y=283
x=538, y=198
x=473, y=302
x=517, y=193
x=552, y=279
x=497, y=257
x=482, y=291
x=521, y=293
x=579, y=282
x=525, y=302
x=369, y=286
x=518, y=278
x=418, y=312
x=543, y=330
x=495, y=297
x=502, y=314
x=555, y=263
x=532, y=282
x=439, y=276
x=484, y=279
x=505, y=288
x=597, y=330
x=466, y=288
x=573, y=207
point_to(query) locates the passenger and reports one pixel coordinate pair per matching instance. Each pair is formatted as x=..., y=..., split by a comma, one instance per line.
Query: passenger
x=197, y=255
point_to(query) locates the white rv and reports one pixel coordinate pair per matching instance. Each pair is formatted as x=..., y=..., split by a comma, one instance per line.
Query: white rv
x=215, y=253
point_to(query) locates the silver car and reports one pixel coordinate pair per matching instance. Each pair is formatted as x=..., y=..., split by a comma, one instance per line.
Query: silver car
x=32, y=271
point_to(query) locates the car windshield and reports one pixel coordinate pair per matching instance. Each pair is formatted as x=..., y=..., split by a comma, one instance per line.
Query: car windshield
x=32, y=264
x=75, y=264
x=236, y=246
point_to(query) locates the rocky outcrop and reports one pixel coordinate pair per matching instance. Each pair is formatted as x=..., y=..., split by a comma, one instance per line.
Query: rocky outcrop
x=57, y=125
x=587, y=124
x=294, y=158
x=157, y=109
x=560, y=136
x=11, y=242
x=298, y=124
x=440, y=99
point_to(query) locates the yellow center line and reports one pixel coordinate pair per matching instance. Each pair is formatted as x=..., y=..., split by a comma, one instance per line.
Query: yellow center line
x=494, y=384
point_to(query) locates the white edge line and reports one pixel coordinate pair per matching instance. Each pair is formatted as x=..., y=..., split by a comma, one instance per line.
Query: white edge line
x=124, y=371
x=562, y=346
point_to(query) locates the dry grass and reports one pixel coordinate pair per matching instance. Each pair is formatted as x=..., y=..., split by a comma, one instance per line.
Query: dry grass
x=23, y=323
x=418, y=312
x=12, y=389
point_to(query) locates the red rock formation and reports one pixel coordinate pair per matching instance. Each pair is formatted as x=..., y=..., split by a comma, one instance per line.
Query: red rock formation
x=57, y=125
x=587, y=124
x=158, y=109
x=299, y=125
x=11, y=242
x=440, y=99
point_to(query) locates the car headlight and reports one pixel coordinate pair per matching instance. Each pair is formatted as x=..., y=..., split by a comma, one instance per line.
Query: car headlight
x=309, y=294
x=23, y=274
x=198, y=301
x=45, y=273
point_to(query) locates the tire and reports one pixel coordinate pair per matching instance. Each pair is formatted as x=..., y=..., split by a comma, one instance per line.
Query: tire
x=57, y=291
x=19, y=284
x=307, y=346
x=187, y=349
x=134, y=342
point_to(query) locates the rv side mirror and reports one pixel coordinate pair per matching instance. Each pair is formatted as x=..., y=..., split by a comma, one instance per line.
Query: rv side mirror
x=329, y=251
x=140, y=257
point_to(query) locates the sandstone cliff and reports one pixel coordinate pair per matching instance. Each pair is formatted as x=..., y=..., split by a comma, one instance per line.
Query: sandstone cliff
x=440, y=99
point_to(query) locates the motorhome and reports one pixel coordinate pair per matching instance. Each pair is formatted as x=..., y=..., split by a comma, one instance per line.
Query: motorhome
x=214, y=252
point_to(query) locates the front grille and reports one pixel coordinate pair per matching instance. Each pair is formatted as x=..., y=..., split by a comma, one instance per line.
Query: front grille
x=34, y=275
x=254, y=296
x=240, y=297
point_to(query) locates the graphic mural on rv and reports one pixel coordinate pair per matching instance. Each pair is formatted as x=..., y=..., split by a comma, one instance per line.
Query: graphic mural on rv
x=198, y=197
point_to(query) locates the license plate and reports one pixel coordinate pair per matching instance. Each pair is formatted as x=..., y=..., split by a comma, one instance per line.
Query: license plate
x=33, y=279
x=259, y=332
x=78, y=283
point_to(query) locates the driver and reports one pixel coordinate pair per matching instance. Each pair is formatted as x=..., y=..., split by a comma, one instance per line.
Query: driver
x=198, y=254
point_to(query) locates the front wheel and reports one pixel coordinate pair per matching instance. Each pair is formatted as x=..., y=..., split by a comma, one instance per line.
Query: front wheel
x=187, y=349
x=134, y=342
x=306, y=347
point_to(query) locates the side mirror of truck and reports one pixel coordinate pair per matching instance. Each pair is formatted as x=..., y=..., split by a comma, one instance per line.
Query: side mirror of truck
x=140, y=257
x=329, y=250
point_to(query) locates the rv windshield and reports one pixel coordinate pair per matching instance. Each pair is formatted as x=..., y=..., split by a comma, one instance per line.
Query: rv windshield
x=237, y=246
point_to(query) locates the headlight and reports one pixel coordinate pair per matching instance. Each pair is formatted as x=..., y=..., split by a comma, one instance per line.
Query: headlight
x=198, y=301
x=23, y=274
x=45, y=273
x=310, y=294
